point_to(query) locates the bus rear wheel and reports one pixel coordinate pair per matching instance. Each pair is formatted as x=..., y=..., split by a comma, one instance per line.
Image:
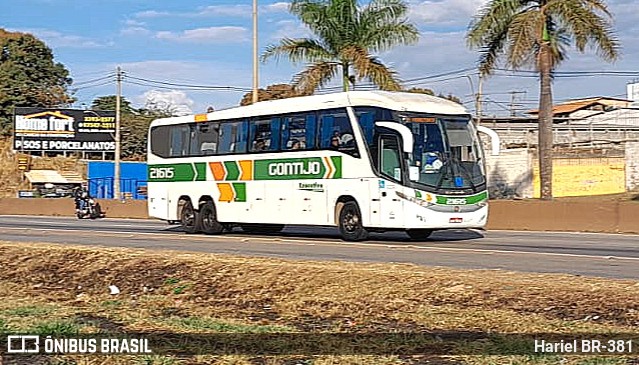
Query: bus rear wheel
x=189, y=218
x=351, y=226
x=208, y=219
x=261, y=228
x=419, y=234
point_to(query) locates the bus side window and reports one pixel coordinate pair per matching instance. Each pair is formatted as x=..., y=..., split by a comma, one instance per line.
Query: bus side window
x=233, y=137
x=180, y=137
x=298, y=132
x=264, y=135
x=159, y=137
x=208, y=137
x=336, y=132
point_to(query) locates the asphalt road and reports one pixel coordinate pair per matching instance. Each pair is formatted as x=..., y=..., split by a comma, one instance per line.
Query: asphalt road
x=587, y=254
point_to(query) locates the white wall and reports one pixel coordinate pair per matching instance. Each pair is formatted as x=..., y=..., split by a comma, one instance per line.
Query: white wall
x=632, y=165
x=510, y=174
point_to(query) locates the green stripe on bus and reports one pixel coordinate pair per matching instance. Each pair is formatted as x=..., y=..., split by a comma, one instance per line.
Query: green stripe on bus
x=233, y=171
x=200, y=169
x=240, y=192
x=297, y=168
x=337, y=162
x=462, y=200
x=176, y=172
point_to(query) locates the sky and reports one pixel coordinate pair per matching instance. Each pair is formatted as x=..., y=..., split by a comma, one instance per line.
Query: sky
x=162, y=44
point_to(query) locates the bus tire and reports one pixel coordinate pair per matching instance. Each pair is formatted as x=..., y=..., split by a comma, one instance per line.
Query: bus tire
x=189, y=218
x=419, y=234
x=261, y=228
x=351, y=225
x=208, y=219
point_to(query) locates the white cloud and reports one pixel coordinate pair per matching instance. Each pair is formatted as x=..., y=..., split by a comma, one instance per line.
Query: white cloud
x=444, y=12
x=133, y=23
x=56, y=39
x=152, y=14
x=238, y=10
x=174, y=101
x=135, y=31
x=235, y=10
x=290, y=29
x=226, y=34
x=277, y=7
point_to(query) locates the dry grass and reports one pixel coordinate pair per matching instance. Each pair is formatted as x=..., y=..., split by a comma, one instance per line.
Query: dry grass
x=11, y=179
x=65, y=289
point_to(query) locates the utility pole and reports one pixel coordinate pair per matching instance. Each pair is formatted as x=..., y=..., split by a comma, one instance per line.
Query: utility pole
x=512, y=101
x=255, y=76
x=116, y=159
x=478, y=97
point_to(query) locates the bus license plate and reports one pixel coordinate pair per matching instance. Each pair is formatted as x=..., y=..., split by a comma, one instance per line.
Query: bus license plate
x=456, y=220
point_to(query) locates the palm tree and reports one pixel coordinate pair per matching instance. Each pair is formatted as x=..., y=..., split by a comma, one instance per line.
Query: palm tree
x=536, y=33
x=346, y=34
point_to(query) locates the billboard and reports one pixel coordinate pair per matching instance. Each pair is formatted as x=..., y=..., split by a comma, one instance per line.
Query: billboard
x=40, y=129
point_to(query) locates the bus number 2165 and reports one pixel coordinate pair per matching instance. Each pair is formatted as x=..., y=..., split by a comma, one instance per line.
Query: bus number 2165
x=161, y=173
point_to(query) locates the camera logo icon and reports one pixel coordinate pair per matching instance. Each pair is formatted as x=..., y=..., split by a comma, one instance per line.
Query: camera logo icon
x=23, y=344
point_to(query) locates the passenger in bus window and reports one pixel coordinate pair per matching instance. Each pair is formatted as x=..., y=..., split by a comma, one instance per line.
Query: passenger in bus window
x=260, y=145
x=296, y=145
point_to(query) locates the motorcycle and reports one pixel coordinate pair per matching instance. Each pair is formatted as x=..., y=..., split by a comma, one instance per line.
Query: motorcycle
x=88, y=208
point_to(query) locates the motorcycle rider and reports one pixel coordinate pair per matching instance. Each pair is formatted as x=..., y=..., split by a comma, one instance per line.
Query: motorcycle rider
x=81, y=197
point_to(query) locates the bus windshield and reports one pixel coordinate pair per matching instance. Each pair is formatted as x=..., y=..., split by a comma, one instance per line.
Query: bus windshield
x=447, y=152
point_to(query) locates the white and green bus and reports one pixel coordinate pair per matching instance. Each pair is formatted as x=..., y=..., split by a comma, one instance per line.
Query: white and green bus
x=364, y=161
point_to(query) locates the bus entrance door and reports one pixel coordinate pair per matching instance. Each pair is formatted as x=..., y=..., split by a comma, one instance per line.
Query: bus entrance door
x=389, y=166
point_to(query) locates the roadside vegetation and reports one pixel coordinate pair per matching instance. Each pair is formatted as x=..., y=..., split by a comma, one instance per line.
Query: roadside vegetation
x=65, y=291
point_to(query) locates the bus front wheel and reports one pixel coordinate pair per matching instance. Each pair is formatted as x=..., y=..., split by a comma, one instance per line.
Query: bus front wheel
x=351, y=226
x=208, y=219
x=189, y=218
x=419, y=234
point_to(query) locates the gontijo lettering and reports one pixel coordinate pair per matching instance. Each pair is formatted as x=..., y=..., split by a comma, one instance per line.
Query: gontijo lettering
x=294, y=168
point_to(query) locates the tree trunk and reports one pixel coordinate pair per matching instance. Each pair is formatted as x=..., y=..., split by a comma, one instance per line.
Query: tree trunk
x=545, y=122
x=346, y=81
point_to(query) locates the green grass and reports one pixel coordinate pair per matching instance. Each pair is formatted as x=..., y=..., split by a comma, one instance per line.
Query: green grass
x=29, y=310
x=63, y=327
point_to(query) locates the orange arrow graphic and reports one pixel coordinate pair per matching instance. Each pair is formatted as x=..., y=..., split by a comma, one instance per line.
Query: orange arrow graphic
x=329, y=168
x=246, y=166
x=218, y=170
x=226, y=192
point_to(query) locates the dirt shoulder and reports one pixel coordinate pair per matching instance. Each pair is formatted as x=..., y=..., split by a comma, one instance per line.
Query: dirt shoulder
x=51, y=286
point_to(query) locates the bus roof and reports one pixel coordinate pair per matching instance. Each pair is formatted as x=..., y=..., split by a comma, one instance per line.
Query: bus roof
x=398, y=101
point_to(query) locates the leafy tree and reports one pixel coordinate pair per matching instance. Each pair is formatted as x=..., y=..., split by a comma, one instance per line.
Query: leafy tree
x=109, y=103
x=134, y=124
x=29, y=76
x=537, y=33
x=272, y=92
x=346, y=35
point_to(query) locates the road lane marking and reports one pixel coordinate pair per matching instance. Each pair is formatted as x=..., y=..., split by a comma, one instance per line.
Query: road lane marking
x=314, y=242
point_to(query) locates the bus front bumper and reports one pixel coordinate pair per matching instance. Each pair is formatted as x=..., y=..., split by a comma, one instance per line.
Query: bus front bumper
x=445, y=217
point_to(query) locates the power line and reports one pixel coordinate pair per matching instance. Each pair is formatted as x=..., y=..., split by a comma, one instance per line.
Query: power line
x=187, y=86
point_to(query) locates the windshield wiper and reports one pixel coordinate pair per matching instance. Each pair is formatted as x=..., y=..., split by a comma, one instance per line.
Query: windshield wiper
x=464, y=171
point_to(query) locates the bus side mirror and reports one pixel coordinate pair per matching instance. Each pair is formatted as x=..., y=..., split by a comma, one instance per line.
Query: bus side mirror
x=413, y=173
x=494, y=139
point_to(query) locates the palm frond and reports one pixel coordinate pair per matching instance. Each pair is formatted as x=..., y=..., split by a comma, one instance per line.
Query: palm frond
x=370, y=68
x=386, y=36
x=303, y=49
x=587, y=27
x=523, y=35
x=492, y=20
x=314, y=76
x=383, y=11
